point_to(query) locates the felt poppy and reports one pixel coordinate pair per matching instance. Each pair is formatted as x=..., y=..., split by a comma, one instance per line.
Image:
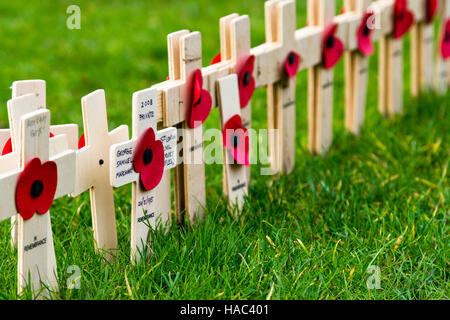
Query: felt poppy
x=201, y=102
x=217, y=59
x=364, y=36
x=431, y=10
x=246, y=81
x=36, y=188
x=403, y=18
x=445, y=44
x=8, y=146
x=333, y=48
x=292, y=64
x=148, y=159
x=82, y=142
x=236, y=140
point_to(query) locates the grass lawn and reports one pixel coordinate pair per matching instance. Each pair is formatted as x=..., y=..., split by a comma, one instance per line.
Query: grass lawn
x=382, y=199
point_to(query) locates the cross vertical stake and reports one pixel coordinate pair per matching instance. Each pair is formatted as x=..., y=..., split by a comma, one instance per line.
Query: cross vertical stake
x=320, y=85
x=442, y=79
x=356, y=75
x=235, y=183
x=280, y=28
x=422, y=57
x=150, y=208
x=390, y=71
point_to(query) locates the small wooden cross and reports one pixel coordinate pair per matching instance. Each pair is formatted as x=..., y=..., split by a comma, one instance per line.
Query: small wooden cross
x=235, y=183
x=176, y=96
x=390, y=64
x=356, y=69
x=36, y=255
x=150, y=208
x=422, y=49
x=93, y=165
x=320, y=85
x=17, y=107
x=442, y=79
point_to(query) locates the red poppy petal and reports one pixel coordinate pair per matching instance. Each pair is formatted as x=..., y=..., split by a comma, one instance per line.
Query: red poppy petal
x=292, y=64
x=145, y=142
x=152, y=173
x=333, y=48
x=445, y=44
x=403, y=19
x=233, y=130
x=81, y=142
x=217, y=59
x=365, y=43
x=246, y=81
x=198, y=85
x=201, y=102
x=46, y=175
x=431, y=10
x=7, y=147
x=49, y=176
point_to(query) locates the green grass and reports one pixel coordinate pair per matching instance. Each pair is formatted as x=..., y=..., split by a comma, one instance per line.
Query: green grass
x=381, y=199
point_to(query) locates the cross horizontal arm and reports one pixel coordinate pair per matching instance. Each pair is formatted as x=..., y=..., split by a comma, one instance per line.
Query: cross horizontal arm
x=121, y=156
x=65, y=162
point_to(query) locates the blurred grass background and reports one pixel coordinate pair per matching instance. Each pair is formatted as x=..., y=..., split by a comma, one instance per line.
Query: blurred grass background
x=381, y=199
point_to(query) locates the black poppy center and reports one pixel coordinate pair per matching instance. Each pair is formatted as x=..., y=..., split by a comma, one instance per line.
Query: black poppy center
x=247, y=77
x=199, y=100
x=330, y=42
x=401, y=14
x=36, y=189
x=235, y=140
x=366, y=30
x=291, y=58
x=148, y=156
x=447, y=36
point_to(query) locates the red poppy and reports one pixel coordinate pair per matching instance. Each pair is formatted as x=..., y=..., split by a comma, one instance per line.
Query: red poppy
x=148, y=159
x=246, y=81
x=445, y=44
x=403, y=18
x=82, y=142
x=217, y=59
x=201, y=102
x=36, y=188
x=333, y=48
x=364, y=36
x=236, y=140
x=8, y=146
x=292, y=64
x=431, y=8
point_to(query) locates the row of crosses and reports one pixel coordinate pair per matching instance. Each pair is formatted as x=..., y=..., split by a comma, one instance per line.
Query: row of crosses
x=40, y=163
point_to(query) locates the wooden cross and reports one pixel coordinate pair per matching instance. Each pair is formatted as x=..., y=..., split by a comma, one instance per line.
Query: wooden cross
x=93, y=165
x=280, y=20
x=235, y=183
x=442, y=79
x=18, y=107
x=176, y=96
x=235, y=47
x=320, y=85
x=149, y=208
x=422, y=49
x=356, y=70
x=36, y=255
x=390, y=64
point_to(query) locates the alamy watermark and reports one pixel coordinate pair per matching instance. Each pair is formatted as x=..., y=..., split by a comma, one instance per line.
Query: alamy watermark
x=74, y=19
